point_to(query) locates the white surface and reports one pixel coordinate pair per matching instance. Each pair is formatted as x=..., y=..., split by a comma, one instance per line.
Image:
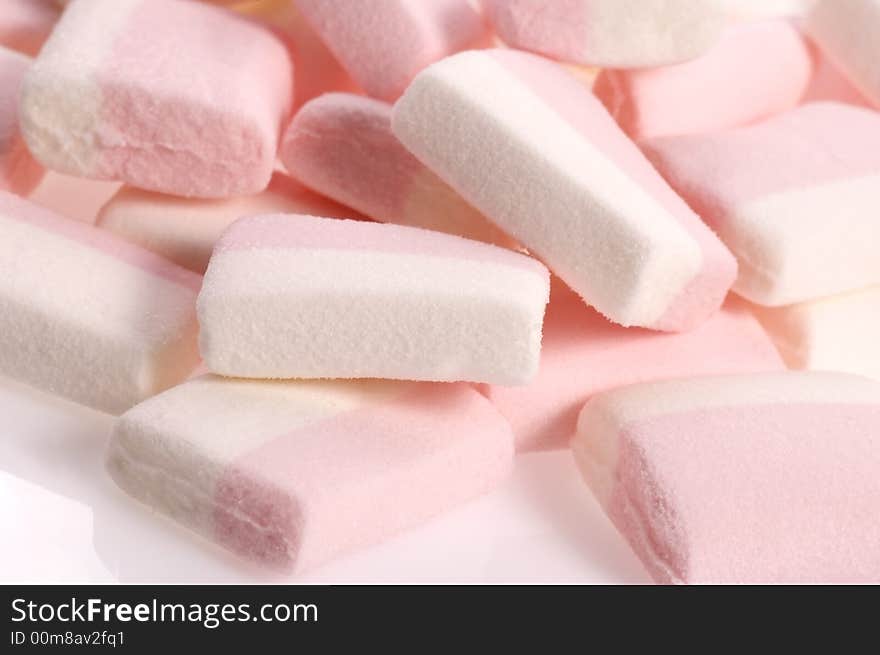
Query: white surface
x=65, y=521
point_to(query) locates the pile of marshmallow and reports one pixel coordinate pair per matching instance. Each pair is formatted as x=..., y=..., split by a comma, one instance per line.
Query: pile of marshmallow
x=317, y=303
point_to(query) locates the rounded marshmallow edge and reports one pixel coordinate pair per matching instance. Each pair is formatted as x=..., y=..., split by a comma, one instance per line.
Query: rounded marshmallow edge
x=463, y=93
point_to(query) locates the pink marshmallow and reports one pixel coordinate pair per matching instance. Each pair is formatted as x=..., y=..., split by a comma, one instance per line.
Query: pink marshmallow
x=795, y=198
x=769, y=478
x=184, y=230
x=756, y=70
x=25, y=24
x=341, y=145
x=74, y=197
x=609, y=33
x=538, y=154
x=19, y=172
x=384, y=44
x=583, y=354
x=115, y=95
x=291, y=475
x=829, y=83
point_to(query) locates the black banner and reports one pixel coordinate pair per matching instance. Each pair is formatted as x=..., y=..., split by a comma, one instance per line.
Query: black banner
x=422, y=618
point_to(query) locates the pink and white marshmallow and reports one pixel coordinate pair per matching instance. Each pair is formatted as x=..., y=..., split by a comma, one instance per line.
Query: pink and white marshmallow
x=531, y=148
x=304, y=297
x=795, y=198
x=610, y=33
x=169, y=96
x=384, y=44
x=771, y=478
x=755, y=71
x=342, y=146
x=291, y=475
x=88, y=316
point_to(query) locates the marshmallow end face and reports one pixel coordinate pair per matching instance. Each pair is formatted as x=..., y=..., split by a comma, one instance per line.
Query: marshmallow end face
x=722, y=480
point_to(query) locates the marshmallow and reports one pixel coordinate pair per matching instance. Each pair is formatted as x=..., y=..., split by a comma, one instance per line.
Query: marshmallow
x=848, y=31
x=25, y=24
x=835, y=334
x=341, y=145
x=293, y=474
x=184, y=230
x=829, y=83
x=769, y=478
x=536, y=152
x=317, y=70
x=88, y=316
x=114, y=95
x=755, y=71
x=610, y=33
x=384, y=44
x=304, y=297
x=19, y=172
x=583, y=354
x=73, y=197
x=795, y=198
